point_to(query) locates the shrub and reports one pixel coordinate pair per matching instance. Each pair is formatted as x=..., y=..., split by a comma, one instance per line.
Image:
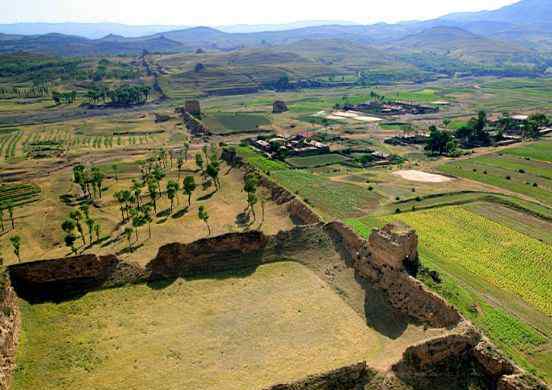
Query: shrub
x=398, y=198
x=535, y=185
x=418, y=199
x=398, y=211
x=521, y=171
x=508, y=178
x=370, y=188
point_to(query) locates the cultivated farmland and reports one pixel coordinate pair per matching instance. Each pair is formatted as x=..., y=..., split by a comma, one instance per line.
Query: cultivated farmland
x=332, y=199
x=510, y=171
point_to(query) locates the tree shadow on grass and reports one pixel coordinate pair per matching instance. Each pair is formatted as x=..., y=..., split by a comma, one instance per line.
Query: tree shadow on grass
x=127, y=250
x=164, y=213
x=208, y=196
x=180, y=213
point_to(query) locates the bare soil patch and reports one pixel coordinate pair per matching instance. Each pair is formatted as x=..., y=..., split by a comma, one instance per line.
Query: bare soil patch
x=420, y=176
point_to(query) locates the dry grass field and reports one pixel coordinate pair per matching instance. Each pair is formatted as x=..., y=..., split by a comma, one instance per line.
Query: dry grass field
x=39, y=223
x=234, y=331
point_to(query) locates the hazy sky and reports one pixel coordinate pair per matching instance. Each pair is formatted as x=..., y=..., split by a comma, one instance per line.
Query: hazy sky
x=217, y=12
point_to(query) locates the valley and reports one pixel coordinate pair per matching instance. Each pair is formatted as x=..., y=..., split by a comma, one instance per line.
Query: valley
x=329, y=207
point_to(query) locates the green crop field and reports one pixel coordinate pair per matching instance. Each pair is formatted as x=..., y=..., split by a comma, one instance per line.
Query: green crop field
x=333, y=199
x=538, y=151
x=505, y=276
x=259, y=161
x=510, y=171
x=226, y=123
x=316, y=161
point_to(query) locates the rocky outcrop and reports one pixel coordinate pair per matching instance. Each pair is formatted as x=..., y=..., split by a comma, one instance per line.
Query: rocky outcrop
x=222, y=253
x=344, y=378
x=279, y=107
x=9, y=331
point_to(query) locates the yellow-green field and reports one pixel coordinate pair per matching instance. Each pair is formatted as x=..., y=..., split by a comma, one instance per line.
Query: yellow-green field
x=235, y=331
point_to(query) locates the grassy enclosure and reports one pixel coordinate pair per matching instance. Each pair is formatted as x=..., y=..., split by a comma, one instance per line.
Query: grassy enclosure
x=246, y=330
x=228, y=123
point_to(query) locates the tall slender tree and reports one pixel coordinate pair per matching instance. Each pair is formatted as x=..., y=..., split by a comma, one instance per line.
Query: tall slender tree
x=76, y=215
x=128, y=234
x=172, y=191
x=10, y=213
x=189, y=188
x=153, y=188
x=204, y=216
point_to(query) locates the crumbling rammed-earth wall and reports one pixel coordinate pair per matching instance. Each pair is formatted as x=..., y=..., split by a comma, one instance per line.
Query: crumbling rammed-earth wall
x=9, y=331
x=381, y=260
x=344, y=378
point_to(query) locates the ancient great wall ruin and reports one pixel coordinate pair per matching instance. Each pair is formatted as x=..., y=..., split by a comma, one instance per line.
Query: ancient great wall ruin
x=379, y=263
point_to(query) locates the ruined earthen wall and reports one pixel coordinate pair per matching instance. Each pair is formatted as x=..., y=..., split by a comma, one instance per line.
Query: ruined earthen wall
x=209, y=255
x=380, y=261
x=9, y=332
x=344, y=378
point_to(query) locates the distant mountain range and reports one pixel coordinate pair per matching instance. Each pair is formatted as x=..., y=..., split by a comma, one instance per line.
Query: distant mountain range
x=521, y=29
x=100, y=30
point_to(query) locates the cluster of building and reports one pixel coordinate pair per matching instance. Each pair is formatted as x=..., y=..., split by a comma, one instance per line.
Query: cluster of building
x=297, y=145
x=392, y=108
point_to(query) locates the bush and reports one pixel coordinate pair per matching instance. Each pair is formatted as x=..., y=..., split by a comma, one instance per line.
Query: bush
x=508, y=178
x=418, y=199
x=535, y=185
x=397, y=211
x=521, y=171
x=370, y=188
x=398, y=198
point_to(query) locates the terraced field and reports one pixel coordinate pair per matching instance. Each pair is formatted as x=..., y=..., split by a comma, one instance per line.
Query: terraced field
x=18, y=194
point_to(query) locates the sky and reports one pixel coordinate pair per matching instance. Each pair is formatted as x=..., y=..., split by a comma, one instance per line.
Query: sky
x=226, y=12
